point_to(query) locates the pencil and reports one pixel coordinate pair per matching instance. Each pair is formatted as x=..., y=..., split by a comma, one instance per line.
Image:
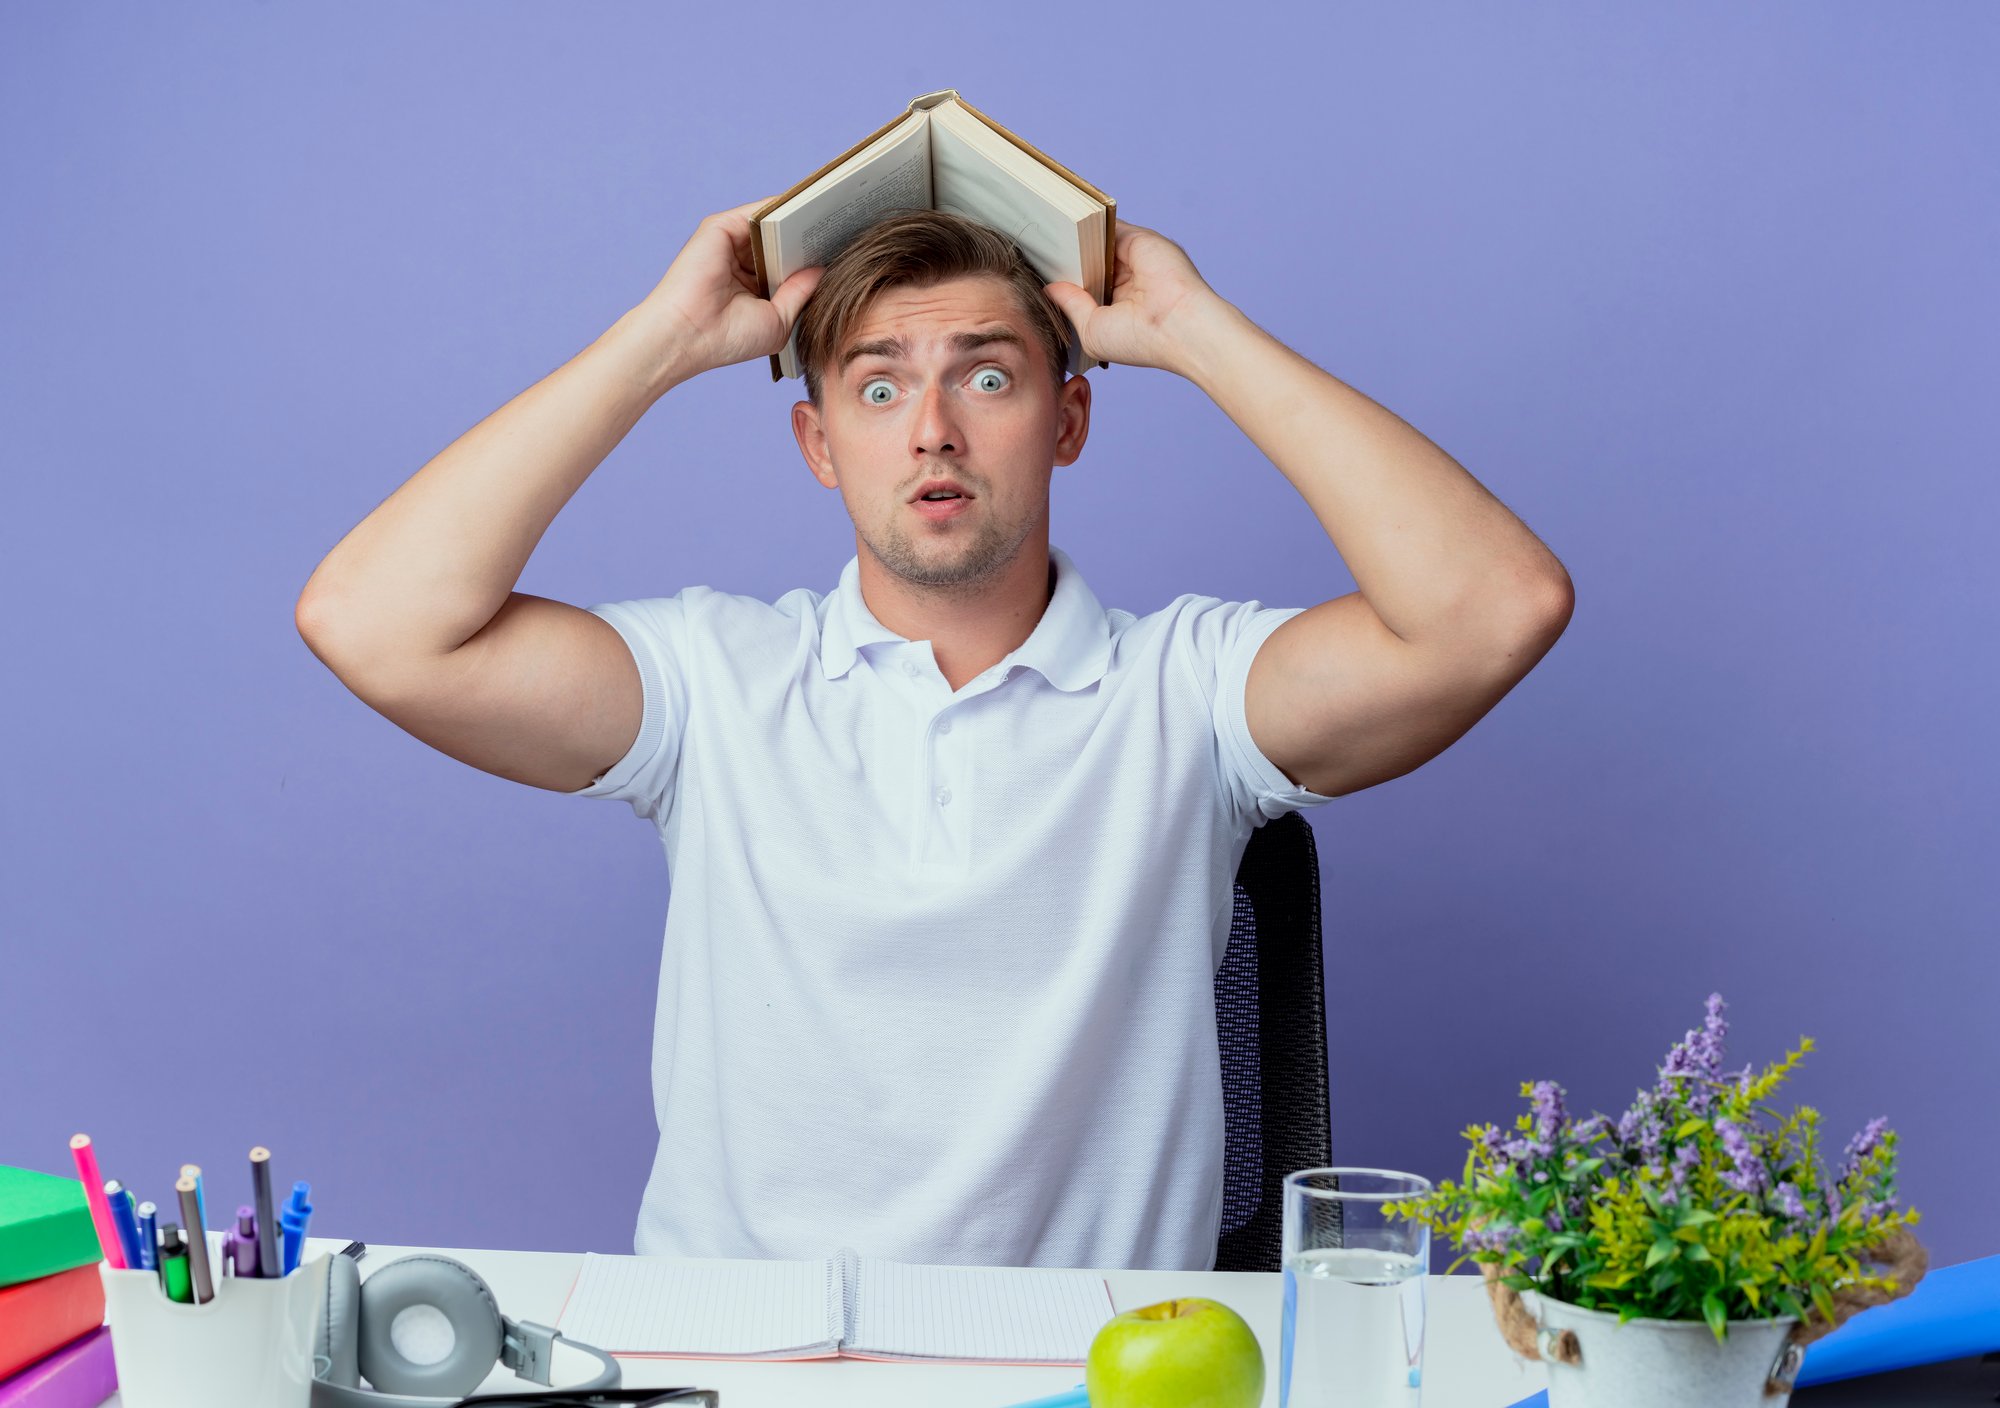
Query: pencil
x=270, y=1261
x=198, y=1269
x=100, y=1206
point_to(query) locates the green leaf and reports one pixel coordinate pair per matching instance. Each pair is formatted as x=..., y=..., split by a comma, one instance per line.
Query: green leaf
x=1749, y=1289
x=1690, y=1126
x=1717, y=1317
x=1661, y=1251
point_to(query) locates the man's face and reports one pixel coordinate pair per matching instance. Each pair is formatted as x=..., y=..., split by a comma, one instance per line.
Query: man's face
x=949, y=404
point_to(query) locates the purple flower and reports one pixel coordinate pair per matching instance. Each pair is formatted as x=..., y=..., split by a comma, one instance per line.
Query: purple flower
x=1696, y=1060
x=1789, y=1202
x=1862, y=1145
x=1547, y=1099
x=1491, y=1238
x=1639, y=1129
x=1747, y=1173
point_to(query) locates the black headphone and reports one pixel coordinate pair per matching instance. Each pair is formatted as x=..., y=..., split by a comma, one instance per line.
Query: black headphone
x=424, y=1330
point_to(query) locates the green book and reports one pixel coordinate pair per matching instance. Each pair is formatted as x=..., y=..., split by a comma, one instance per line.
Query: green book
x=45, y=1226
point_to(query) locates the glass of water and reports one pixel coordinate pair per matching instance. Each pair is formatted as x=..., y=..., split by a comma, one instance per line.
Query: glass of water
x=1353, y=1329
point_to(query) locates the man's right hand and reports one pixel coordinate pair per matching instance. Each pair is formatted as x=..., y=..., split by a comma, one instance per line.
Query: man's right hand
x=706, y=312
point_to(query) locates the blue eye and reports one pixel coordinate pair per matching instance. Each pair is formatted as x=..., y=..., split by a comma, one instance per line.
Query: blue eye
x=868, y=386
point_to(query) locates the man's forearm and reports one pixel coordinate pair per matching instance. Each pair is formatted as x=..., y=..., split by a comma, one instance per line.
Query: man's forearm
x=1435, y=555
x=436, y=561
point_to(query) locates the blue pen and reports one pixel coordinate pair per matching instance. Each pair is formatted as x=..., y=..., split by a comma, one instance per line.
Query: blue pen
x=124, y=1219
x=149, y=1237
x=293, y=1218
x=1075, y=1398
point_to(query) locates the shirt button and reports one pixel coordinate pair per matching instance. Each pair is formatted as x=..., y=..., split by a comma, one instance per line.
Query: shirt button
x=910, y=667
x=945, y=726
x=944, y=796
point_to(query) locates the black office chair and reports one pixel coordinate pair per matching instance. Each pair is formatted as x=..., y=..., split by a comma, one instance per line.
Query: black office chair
x=1270, y=1017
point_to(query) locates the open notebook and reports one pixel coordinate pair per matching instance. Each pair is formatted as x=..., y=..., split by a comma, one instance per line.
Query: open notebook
x=842, y=1305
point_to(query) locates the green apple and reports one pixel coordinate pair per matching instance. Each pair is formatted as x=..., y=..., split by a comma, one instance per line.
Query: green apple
x=1186, y=1353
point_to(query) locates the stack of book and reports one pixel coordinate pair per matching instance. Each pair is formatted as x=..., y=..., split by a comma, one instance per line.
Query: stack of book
x=55, y=1350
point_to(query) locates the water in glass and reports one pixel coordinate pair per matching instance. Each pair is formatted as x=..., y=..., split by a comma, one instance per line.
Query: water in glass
x=1353, y=1329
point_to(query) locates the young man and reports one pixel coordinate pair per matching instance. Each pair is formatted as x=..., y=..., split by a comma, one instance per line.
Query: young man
x=951, y=846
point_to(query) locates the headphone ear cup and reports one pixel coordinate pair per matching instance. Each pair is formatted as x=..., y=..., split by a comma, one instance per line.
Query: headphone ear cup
x=450, y=1344
x=338, y=1332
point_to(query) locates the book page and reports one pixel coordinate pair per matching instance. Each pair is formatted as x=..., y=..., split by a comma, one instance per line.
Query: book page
x=980, y=174
x=723, y=1308
x=809, y=229
x=986, y=1314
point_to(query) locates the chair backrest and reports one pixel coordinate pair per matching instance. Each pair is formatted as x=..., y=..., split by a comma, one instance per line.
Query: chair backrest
x=1270, y=1017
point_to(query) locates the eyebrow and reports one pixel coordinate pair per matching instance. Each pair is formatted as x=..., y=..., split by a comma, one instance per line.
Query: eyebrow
x=897, y=350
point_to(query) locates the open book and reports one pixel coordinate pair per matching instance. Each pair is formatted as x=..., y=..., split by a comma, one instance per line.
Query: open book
x=843, y=1305
x=943, y=154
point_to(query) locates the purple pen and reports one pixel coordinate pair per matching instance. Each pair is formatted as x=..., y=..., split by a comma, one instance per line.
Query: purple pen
x=245, y=1246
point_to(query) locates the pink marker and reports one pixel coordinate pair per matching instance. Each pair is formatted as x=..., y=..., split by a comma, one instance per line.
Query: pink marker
x=100, y=1206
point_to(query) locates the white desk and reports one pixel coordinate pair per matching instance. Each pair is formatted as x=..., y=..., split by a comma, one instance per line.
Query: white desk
x=1466, y=1365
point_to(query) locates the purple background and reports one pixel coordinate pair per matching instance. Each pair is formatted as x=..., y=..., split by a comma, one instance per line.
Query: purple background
x=1705, y=293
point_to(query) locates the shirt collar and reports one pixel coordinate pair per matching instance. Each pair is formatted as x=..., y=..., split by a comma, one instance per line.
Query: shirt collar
x=1070, y=646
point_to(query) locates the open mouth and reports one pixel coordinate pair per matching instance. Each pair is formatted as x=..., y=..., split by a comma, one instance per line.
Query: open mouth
x=942, y=506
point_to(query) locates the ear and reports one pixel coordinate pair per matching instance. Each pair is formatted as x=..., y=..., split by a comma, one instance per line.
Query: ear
x=810, y=431
x=1072, y=418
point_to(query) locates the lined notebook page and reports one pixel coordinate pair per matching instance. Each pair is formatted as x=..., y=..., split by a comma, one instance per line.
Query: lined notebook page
x=995, y=1314
x=717, y=1306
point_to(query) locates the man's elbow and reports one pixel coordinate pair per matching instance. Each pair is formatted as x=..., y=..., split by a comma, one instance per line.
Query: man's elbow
x=1541, y=616
x=1553, y=602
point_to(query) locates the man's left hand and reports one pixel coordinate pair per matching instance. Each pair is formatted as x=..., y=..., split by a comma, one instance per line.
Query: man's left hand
x=1157, y=294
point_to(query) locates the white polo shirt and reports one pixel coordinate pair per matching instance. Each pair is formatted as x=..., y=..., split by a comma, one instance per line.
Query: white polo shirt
x=937, y=980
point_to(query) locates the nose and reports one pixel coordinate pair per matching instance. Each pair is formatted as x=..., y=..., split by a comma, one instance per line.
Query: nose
x=936, y=428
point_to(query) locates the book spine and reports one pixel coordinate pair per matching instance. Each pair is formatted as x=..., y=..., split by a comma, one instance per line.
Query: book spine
x=38, y=1317
x=850, y=1292
x=81, y=1375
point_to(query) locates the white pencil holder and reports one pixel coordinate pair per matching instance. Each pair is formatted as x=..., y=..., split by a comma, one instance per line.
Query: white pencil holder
x=249, y=1347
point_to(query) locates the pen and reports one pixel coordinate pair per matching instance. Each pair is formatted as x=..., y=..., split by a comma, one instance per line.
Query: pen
x=297, y=1212
x=174, y=1263
x=1075, y=1398
x=124, y=1221
x=93, y=1193
x=200, y=1193
x=149, y=1237
x=198, y=1268
x=270, y=1261
x=246, y=1240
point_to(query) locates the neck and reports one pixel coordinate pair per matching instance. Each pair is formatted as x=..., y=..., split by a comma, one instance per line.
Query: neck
x=971, y=629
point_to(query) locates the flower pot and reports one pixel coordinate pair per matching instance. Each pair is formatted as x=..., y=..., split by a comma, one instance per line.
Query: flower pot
x=1664, y=1363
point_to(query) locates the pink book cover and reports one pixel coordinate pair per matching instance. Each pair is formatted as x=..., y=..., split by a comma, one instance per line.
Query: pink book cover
x=79, y=1375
